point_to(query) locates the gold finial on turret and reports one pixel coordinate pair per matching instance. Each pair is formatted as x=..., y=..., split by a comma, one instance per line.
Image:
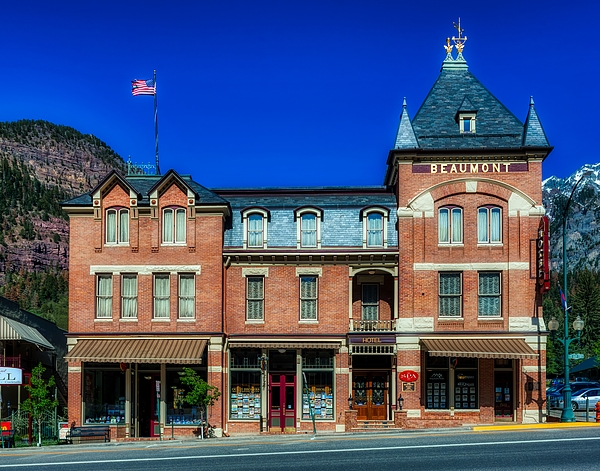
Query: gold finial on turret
x=448, y=46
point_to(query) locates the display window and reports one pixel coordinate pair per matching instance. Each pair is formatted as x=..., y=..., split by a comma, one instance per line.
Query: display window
x=245, y=380
x=451, y=382
x=317, y=391
x=104, y=395
x=180, y=412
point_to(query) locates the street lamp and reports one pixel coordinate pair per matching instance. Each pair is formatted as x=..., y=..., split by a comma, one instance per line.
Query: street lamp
x=567, y=411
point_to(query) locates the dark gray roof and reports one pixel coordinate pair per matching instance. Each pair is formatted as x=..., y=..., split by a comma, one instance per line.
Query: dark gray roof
x=457, y=89
x=405, y=137
x=144, y=183
x=534, y=132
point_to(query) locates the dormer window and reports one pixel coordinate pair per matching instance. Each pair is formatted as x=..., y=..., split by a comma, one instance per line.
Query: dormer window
x=308, y=227
x=466, y=121
x=255, y=227
x=375, y=221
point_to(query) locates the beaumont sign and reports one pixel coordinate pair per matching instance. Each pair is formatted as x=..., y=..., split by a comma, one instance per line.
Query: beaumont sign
x=11, y=376
x=471, y=167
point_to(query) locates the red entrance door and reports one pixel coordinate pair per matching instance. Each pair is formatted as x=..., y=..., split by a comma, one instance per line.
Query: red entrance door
x=282, y=401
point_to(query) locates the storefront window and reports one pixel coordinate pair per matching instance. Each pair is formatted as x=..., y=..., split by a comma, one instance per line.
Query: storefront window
x=104, y=396
x=451, y=382
x=180, y=412
x=317, y=372
x=245, y=374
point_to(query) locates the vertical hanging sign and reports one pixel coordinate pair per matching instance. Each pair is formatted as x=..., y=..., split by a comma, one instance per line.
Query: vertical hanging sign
x=543, y=268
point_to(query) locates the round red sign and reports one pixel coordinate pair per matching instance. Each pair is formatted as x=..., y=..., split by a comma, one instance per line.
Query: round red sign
x=409, y=376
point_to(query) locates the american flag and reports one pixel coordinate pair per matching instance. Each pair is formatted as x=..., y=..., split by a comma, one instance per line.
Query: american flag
x=143, y=87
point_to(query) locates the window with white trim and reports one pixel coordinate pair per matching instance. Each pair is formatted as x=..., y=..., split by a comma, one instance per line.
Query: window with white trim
x=117, y=226
x=466, y=122
x=255, y=298
x=375, y=221
x=308, y=230
x=129, y=296
x=450, y=294
x=370, y=302
x=255, y=222
x=174, y=225
x=187, y=298
x=450, y=225
x=489, y=225
x=104, y=296
x=162, y=296
x=490, y=295
x=308, y=297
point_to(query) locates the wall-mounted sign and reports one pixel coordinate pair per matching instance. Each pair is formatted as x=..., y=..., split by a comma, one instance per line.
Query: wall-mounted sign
x=409, y=387
x=408, y=376
x=372, y=338
x=11, y=375
x=471, y=167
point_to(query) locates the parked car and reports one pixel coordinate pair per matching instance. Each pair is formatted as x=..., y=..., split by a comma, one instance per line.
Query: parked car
x=555, y=398
x=583, y=397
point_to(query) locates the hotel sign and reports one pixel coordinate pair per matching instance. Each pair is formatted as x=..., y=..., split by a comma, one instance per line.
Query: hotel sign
x=372, y=339
x=11, y=376
x=471, y=167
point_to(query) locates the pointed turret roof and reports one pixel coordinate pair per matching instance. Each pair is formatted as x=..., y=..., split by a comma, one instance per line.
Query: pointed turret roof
x=534, y=135
x=405, y=137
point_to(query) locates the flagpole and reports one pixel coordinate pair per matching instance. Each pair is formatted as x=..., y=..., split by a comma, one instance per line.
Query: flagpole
x=156, y=126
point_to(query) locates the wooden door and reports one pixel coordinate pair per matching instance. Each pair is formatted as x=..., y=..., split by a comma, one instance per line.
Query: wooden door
x=282, y=401
x=370, y=396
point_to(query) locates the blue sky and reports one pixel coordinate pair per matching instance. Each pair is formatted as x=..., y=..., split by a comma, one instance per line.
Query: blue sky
x=288, y=93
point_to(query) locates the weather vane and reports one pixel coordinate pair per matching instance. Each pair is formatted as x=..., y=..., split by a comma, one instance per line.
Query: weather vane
x=460, y=41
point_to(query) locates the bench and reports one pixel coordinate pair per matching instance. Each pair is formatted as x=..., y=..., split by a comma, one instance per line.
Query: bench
x=8, y=438
x=93, y=431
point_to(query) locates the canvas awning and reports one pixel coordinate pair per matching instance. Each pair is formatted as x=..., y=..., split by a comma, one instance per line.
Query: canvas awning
x=509, y=348
x=14, y=330
x=133, y=350
x=282, y=344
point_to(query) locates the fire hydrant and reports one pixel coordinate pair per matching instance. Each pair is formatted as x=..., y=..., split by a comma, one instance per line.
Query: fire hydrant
x=598, y=412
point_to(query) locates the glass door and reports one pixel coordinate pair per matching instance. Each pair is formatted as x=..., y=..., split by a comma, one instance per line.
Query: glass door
x=370, y=396
x=503, y=397
x=282, y=402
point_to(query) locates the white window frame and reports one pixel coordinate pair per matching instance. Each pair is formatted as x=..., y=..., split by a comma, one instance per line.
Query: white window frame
x=450, y=295
x=118, y=236
x=104, y=301
x=309, y=300
x=471, y=118
x=365, y=304
x=184, y=299
x=156, y=298
x=258, y=300
x=265, y=218
x=487, y=237
x=129, y=298
x=497, y=295
x=177, y=237
x=449, y=240
x=385, y=215
x=299, y=227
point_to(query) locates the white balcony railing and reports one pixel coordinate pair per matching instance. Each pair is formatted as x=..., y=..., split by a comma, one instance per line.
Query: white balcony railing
x=372, y=326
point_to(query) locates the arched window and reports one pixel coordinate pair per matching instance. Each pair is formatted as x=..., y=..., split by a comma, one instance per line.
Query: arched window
x=450, y=225
x=308, y=230
x=255, y=227
x=489, y=225
x=117, y=226
x=375, y=226
x=173, y=225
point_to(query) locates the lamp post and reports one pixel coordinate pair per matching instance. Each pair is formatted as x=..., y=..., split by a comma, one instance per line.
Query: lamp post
x=567, y=411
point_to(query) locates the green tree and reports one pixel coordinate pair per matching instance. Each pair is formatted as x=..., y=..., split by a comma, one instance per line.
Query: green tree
x=200, y=394
x=585, y=301
x=39, y=401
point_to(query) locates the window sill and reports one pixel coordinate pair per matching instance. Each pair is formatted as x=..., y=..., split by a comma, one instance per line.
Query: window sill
x=186, y=319
x=173, y=244
x=103, y=319
x=451, y=319
x=491, y=319
x=122, y=244
x=444, y=244
x=255, y=321
x=308, y=321
x=158, y=319
x=128, y=319
x=489, y=244
x=448, y=411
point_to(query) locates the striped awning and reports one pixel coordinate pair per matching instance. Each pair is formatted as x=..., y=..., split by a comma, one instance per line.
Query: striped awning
x=509, y=348
x=177, y=351
x=286, y=345
x=13, y=330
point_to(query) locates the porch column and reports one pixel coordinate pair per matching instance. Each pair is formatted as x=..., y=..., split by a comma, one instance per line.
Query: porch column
x=396, y=314
x=163, y=399
x=128, y=401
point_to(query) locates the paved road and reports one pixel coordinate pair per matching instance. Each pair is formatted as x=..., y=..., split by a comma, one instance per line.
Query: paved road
x=572, y=448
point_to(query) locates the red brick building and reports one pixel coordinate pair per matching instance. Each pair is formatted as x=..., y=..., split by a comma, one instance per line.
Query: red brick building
x=329, y=308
